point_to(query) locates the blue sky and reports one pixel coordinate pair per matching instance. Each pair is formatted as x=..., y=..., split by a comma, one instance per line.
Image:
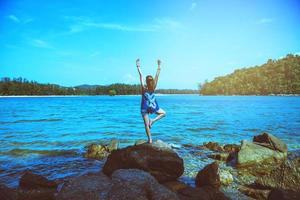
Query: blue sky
x=97, y=42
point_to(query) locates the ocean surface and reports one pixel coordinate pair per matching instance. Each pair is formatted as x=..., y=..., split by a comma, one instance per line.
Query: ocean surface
x=47, y=135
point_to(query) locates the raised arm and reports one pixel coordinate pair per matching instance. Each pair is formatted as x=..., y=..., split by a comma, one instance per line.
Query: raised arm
x=157, y=73
x=140, y=73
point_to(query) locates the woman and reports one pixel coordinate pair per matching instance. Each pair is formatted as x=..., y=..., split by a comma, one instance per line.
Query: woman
x=149, y=104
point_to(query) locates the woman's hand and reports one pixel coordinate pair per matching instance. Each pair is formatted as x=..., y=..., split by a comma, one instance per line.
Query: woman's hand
x=138, y=62
x=158, y=63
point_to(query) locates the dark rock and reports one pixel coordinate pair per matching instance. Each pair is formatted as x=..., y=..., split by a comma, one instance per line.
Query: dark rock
x=138, y=142
x=253, y=154
x=175, y=186
x=278, y=194
x=231, y=148
x=7, y=193
x=270, y=141
x=286, y=177
x=213, y=146
x=209, y=175
x=203, y=193
x=157, y=159
x=114, y=145
x=254, y=192
x=36, y=194
x=86, y=187
x=30, y=180
x=136, y=184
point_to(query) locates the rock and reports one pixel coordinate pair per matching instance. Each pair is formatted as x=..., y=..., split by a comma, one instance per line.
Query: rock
x=99, y=151
x=253, y=154
x=278, y=194
x=231, y=148
x=175, y=186
x=270, y=141
x=138, y=142
x=209, y=175
x=30, y=180
x=158, y=159
x=136, y=184
x=36, y=194
x=203, y=193
x=226, y=177
x=7, y=193
x=286, y=177
x=255, y=193
x=86, y=187
x=219, y=156
x=213, y=146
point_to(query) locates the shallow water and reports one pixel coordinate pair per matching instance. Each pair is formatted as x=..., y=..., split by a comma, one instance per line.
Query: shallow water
x=47, y=134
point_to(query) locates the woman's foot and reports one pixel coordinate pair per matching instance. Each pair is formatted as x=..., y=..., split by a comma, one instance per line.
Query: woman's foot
x=150, y=141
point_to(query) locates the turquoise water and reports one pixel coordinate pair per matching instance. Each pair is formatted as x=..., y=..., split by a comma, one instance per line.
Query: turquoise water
x=47, y=134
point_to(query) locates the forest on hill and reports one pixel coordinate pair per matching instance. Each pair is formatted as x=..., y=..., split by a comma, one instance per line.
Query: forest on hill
x=21, y=86
x=272, y=78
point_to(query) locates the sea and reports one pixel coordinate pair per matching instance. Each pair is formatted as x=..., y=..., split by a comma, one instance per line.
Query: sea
x=48, y=135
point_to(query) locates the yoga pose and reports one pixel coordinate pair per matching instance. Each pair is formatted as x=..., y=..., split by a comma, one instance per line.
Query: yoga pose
x=149, y=104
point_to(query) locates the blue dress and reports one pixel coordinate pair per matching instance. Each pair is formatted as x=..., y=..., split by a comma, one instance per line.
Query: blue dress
x=149, y=104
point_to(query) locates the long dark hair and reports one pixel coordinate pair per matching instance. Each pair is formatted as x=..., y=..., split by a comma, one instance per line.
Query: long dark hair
x=150, y=83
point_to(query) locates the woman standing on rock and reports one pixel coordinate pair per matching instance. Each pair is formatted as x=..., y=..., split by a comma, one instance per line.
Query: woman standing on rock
x=149, y=104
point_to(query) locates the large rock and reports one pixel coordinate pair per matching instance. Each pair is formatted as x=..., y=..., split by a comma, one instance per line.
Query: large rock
x=286, y=177
x=30, y=180
x=136, y=184
x=213, y=146
x=253, y=154
x=254, y=192
x=86, y=187
x=7, y=193
x=157, y=159
x=209, y=176
x=270, y=141
x=278, y=194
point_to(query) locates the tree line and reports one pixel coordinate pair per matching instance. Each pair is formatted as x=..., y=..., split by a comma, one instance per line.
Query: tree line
x=274, y=77
x=21, y=86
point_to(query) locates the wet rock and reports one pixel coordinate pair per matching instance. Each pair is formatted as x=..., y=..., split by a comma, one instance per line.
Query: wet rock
x=158, y=159
x=286, y=177
x=219, y=156
x=226, y=177
x=231, y=148
x=136, y=184
x=209, y=175
x=253, y=154
x=203, y=193
x=7, y=193
x=86, y=187
x=99, y=151
x=270, y=141
x=279, y=194
x=30, y=180
x=254, y=192
x=213, y=146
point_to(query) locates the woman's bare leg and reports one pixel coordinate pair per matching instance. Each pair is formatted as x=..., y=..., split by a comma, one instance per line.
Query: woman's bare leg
x=160, y=114
x=147, y=128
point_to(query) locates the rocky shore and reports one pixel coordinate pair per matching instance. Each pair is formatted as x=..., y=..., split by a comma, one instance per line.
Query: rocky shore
x=260, y=169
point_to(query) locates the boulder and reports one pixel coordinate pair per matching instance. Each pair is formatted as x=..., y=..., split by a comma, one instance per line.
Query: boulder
x=30, y=180
x=209, y=175
x=254, y=192
x=222, y=156
x=213, y=146
x=270, y=141
x=158, y=159
x=86, y=187
x=279, y=194
x=253, y=154
x=136, y=184
x=231, y=148
x=285, y=177
x=99, y=151
x=7, y=193
x=203, y=193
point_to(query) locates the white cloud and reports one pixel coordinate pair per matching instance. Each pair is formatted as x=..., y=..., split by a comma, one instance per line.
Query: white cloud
x=14, y=18
x=79, y=24
x=41, y=44
x=193, y=5
x=265, y=21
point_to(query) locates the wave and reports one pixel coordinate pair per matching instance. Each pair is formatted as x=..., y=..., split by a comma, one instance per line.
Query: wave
x=20, y=152
x=202, y=129
x=32, y=120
